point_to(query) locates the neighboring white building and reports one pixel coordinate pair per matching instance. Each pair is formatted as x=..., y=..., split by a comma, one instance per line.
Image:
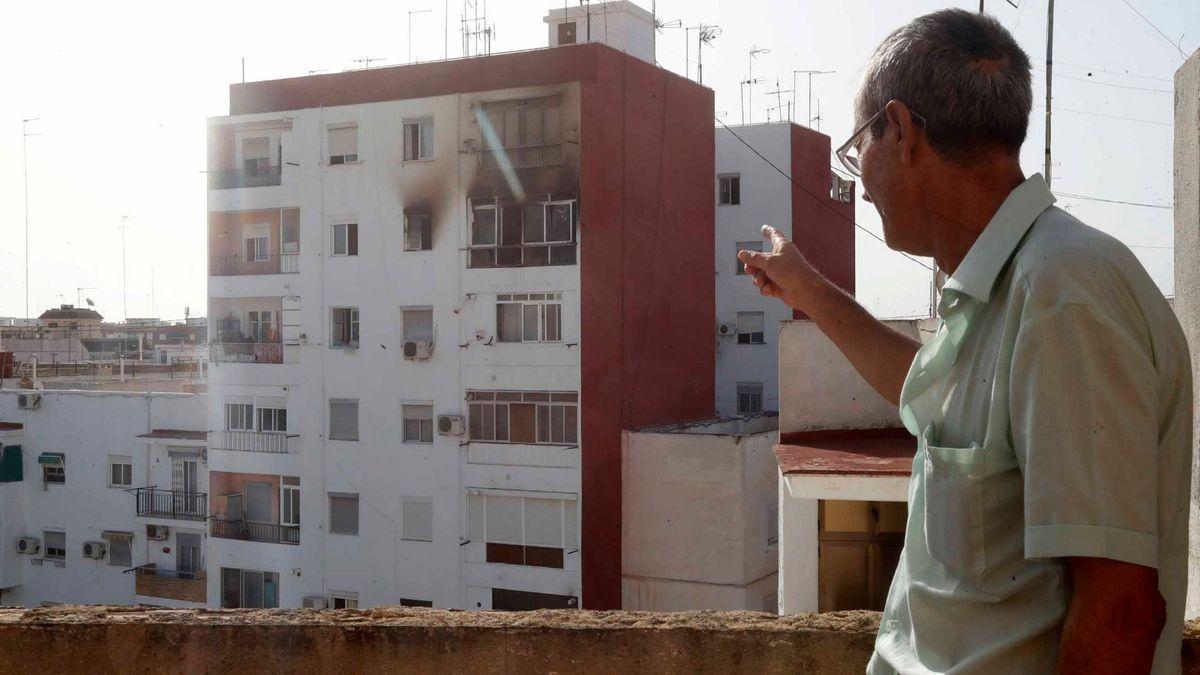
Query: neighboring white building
x=620, y=24
x=700, y=516
x=106, y=491
x=816, y=211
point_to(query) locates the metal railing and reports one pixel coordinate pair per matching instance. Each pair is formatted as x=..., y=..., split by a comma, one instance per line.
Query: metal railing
x=238, y=264
x=271, y=533
x=251, y=441
x=174, y=504
x=529, y=157
x=225, y=179
x=246, y=352
x=527, y=255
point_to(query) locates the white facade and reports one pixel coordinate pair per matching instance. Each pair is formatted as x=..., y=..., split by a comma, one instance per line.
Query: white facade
x=400, y=486
x=93, y=503
x=620, y=24
x=699, y=516
x=764, y=197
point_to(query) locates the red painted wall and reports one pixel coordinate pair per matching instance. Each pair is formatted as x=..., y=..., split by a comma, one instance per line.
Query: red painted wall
x=823, y=228
x=648, y=297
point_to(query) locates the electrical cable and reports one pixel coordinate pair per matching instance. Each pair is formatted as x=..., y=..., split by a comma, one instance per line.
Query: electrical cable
x=1069, y=195
x=1156, y=29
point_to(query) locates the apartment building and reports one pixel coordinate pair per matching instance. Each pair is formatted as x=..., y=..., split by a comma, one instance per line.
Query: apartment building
x=437, y=295
x=815, y=208
x=103, y=496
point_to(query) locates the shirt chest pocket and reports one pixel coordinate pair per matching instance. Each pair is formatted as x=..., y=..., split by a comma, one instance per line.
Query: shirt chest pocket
x=972, y=505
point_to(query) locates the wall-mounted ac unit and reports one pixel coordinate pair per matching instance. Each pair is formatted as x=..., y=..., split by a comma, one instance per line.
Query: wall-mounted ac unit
x=314, y=602
x=450, y=425
x=419, y=350
x=840, y=189
x=29, y=545
x=29, y=401
x=157, y=532
x=93, y=549
x=725, y=329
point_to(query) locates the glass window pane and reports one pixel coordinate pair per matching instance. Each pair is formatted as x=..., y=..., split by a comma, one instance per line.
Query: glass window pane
x=558, y=225
x=570, y=425
x=570, y=524
x=530, y=323
x=475, y=423
x=252, y=589
x=483, y=227
x=508, y=321
x=426, y=140
x=502, y=422
x=534, y=222
x=552, y=325
x=556, y=424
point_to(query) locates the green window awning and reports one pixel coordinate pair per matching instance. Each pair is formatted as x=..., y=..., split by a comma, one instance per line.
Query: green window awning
x=51, y=458
x=11, y=468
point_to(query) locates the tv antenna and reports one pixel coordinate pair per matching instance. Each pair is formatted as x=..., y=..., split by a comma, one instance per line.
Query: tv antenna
x=755, y=50
x=366, y=61
x=810, y=74
x=25, y=154
x=778, y=99
x=410, y=16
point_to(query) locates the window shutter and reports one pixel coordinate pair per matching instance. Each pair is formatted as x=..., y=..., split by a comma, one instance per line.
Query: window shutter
x=750, y=322
x=418, y=324
x=258, y=501
x=508, y=320
x=256, y=148
x=475, y=517
x=543, y=522
x=343, y=141
x=504, y=520
x=343, y=419
x=343, y=513
x=570, y=524
x=417, y=518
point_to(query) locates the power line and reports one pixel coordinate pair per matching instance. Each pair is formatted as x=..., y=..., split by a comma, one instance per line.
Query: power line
x=1114, y=201
x=1114, y=72
x=1151, y=24
x=1111, y=117
x=814, y=196
x=1166, y=248
x=1110, y=84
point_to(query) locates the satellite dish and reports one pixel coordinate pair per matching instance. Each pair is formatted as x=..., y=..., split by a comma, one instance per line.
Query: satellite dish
x=89, y=302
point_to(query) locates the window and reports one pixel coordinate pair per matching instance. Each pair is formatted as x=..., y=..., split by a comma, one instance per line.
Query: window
x=345, y=239
x=731, y=190
x=345, y=327
x=343, y=513
x=343, y=419
x=547, y=418
x=343, y=145
x=239, y=416
x=409, y=602
x=418, y=140
x=272, y=420
x=258, y=248
x=566, y=33
x=289, y=501
x=523, y=530
x=418, y=325
x=54, y=469
x=120, y=548
x=418, y=423
x=750, y=397
x=522, y=235
x=55, y=544
x=260, y=326
x=343, y=600
x=258, y=501
x=738, y=266
x=248, y=589
x=750, y=328
x=256, y=153
x=524, y=124
x=417, y=518
x=290, y=230
x=418, y=232
x=529, y=317
x=120, y=471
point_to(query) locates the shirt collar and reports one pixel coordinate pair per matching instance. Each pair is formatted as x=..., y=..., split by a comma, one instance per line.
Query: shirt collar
x=976, y=274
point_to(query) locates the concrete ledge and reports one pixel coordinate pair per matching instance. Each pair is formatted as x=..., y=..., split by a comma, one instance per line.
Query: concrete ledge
x=142, y=639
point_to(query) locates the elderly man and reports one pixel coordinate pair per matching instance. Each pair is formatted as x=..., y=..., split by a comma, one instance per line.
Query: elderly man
x=1048, y=508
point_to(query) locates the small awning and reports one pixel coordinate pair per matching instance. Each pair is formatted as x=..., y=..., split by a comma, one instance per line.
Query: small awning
x=52, y=458
x=847, y=464
x=116, y=534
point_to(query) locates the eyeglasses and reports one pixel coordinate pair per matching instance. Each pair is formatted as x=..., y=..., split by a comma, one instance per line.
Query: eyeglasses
x=848, y=153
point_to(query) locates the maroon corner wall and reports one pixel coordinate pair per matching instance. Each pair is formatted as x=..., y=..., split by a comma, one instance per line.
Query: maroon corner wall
x=822, y=227
x=648, y=293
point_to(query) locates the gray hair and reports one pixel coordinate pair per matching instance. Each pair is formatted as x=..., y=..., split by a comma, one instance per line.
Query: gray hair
x=961, y=71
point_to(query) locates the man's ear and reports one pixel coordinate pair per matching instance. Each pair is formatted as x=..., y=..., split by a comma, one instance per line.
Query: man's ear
x=898, y=114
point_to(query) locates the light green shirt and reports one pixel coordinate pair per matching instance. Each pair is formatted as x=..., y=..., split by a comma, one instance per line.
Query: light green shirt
x=1053, y=414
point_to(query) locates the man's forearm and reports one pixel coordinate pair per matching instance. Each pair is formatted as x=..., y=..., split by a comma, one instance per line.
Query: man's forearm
x=881, y=355
x=1114, y=619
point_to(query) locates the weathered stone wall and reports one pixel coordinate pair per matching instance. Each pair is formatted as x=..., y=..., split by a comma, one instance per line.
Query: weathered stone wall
x=1187, y=266
x=128, y=639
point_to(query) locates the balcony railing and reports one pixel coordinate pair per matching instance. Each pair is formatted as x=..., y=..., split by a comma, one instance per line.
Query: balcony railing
x=174, y=585
x=224, y=179
x=251, y=441
x=528, y=255
x=271, y=533
x=529, y=157
x=174, y=504
x=246, y=352
x=241, y=265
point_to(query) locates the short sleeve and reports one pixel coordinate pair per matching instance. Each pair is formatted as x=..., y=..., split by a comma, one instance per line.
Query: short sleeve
x=1083, y=398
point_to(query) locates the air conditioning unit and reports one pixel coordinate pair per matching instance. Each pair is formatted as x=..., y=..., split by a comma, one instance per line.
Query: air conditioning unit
x=418, y=350
x=314, y=602
x=93, y=549
x=157, y=532
x=29, y=545
x=841, y=190
x=725, y=329
x=29, y=401
x=450, y=425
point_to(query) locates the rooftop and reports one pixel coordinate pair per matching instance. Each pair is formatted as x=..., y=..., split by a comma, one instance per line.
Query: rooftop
x=177, y=434
x=735, y=425
x=71, y=312
x=870, y=452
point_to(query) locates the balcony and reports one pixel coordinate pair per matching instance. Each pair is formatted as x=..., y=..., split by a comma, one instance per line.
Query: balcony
x=241, y=265
x=246, y=352
x=226, y=179
x=244, y=530
x=251, y=441
x=174, y=504
x=526, y=255
x=528, y=157
x=171, y=584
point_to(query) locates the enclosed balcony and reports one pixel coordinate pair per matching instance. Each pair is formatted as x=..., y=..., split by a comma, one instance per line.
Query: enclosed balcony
x=155, y=582
x=248, y=243
x=255, y=507
x=247, y=155
x=247, y=330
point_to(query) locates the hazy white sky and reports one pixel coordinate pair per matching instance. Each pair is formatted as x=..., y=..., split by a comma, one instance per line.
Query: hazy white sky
x=123, y=89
